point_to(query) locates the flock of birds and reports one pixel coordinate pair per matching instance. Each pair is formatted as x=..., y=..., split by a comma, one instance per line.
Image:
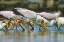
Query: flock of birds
x=27, y=18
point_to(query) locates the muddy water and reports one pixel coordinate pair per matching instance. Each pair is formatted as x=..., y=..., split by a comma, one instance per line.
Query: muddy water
x=31, y=36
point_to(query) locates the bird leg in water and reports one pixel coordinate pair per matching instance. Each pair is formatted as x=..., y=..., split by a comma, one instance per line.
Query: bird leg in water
x=16, y=26
x=59, y=27
x=56, y=25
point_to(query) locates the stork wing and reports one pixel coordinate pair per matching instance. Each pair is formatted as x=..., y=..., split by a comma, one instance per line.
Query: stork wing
x=7, y=14
x=27, y=13
x=47, y=15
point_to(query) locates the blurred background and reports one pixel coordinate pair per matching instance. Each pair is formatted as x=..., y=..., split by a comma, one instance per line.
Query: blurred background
x=35, y=5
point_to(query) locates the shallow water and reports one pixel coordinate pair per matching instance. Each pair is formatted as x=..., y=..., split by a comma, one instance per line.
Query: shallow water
x=50, y=35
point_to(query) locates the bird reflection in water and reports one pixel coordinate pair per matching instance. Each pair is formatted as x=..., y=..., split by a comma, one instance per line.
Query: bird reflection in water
x=6, y=32
x=17, y=35
x=43, y=33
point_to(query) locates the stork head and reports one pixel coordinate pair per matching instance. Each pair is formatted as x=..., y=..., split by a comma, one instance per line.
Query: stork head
x=19, y=20
x=42, y=21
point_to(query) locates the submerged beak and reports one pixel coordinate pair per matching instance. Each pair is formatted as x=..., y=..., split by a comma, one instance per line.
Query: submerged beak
x=11, y=25
x=43, y=24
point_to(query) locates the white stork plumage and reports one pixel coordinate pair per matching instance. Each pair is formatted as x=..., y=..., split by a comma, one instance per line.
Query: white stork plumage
x=2, y=25
x=47, y=22
x=60, y=22
x=10, y=15
x=50, y=15
x=57, y=14
x=7, y=14
x=29, y=14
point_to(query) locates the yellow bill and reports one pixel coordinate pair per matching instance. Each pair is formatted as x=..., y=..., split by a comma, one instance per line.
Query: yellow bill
x=11, y=25
x=43, y=25
x=21, y=24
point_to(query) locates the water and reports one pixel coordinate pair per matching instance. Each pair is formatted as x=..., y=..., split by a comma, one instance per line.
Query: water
x=34, y=0
x=50, y=35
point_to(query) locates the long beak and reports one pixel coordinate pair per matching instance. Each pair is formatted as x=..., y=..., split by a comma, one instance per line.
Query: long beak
x=21, y=25
x=11, y=25
x=43, y=25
